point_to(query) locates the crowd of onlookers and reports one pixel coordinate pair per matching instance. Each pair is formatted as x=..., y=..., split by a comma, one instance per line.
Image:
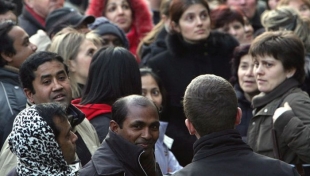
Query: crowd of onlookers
x=154, y=87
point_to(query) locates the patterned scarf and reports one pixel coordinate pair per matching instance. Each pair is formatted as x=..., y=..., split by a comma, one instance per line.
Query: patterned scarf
x=33, y=142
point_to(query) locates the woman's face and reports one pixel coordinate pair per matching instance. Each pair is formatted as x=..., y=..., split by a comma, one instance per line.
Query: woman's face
x=151, y=90
x=299, y=5
x=249, y=31
x=119, y=13
x=236, y=29
x=194, y=24
x=80, y=65
x=245, y=75
x=269, y=73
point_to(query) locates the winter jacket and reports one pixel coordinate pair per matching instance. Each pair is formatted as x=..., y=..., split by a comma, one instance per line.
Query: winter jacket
x=142, y=20
x=116, y=157
x=99, y=115
x=225, y=154
x=12, y=100
x=176, y=67
x=247, y=113
x=86, y=144
x=292, y=127
x=28, y=22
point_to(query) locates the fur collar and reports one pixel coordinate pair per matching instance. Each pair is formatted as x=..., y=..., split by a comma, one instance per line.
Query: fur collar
x=216, y=43
x=142, y=19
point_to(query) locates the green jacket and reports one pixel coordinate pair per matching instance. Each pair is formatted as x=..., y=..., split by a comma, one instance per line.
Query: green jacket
x=292, y=127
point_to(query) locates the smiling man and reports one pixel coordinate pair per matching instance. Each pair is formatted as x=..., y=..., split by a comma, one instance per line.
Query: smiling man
x=128, y=148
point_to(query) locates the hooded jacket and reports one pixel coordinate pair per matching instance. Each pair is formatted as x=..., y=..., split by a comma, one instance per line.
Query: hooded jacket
x=30, y=21
x=33, y=141
x=12, y=100
x=141, y=24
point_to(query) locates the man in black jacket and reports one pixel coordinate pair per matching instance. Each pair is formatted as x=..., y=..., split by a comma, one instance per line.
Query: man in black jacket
x=211, y=108
x=14, y=49
x=128, y=148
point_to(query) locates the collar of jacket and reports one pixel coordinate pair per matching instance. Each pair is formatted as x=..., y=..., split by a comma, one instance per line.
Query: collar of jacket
x=9, y=74
x=216, y=43
x=121, y=156
x=262, y=99
x=35, y=19
x=77, y=115
x=218, y=142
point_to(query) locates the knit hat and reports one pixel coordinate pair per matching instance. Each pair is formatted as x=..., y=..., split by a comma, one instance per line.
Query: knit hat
x=103, y=26
x=63, y=17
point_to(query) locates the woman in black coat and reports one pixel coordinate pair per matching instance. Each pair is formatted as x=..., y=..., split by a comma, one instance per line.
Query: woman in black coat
x=193, y=50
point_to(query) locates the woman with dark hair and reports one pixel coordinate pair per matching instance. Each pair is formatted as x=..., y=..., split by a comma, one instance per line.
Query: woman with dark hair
x=153, y=89
x=192, y=50
x=132, y=16
x=244, y=84
x=230, y=20
x=113, y=73
x=280, y=127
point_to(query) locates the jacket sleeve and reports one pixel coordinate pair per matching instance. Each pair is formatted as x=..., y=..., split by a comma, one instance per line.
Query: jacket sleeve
x=294, y=126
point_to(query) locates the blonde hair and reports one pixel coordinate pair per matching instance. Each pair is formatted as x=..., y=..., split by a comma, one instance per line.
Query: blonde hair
x=67, y=43
x=287, y=18
x=286, y=2
x=152, y=35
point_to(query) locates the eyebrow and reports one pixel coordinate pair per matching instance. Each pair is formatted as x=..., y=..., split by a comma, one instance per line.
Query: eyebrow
x=49, y=75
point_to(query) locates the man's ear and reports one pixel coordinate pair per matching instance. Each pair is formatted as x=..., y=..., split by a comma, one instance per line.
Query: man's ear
x=190, y=127
x=29, y=95
x=6, y=57
x=114, y=126
x=238, y=116
x=175, y=27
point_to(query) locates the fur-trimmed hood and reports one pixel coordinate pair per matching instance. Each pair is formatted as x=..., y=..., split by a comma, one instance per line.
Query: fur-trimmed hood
x=215, y=44
x=142, y=15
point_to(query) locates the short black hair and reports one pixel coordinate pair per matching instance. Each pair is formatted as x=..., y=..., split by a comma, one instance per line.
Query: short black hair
x=31, y=64
x=239, y=52
x=6, y=42
x=113, y=73
x=6, y=6
x=50, y=111
x=121, y=106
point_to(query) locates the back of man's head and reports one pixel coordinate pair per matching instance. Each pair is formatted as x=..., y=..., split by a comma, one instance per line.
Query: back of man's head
x=121, y=107
x=6, y=42
x=31, y=64
x=210, y=104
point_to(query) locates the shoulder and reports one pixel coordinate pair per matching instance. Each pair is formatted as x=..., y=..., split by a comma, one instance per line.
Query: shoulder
x=223, y=40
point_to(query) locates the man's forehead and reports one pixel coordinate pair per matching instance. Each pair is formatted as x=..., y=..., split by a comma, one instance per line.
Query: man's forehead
x=50, y=68
x=142, y=113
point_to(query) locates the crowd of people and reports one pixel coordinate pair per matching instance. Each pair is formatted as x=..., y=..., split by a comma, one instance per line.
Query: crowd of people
x=155, y=87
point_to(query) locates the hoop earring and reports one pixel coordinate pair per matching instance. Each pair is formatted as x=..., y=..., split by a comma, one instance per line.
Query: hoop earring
x=160, y=109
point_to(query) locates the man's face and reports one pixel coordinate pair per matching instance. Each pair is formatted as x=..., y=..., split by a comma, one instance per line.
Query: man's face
x=110, y=40
x=21, y=45
x=51, y=84
x=66, y=139
x=247, y=6
x=44, y=7
x=141, y=127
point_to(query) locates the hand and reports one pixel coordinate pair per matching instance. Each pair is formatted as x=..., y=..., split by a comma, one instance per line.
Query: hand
x=280, y=111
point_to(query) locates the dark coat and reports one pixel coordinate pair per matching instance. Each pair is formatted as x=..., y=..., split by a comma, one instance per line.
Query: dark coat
x=29, y=23
x=292, y=127
x=247, y=112
x=157, y=47
x=12, y=100
x=225, y=154
x=101, y=123
x=176, y=67
x=116, y=157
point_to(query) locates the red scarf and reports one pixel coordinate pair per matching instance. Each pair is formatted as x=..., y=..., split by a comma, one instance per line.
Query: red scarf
x=134, y=40
x=92, y=110
x=40, y=19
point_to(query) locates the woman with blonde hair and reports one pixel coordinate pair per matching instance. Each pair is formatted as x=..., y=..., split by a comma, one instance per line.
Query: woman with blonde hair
x=302, y=6
x=154, y=42
x=77, y=49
